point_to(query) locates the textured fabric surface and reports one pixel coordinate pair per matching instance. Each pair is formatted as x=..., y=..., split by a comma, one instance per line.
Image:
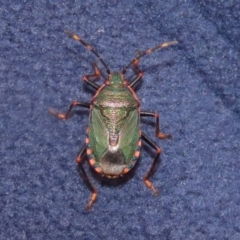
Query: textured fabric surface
x=194, y=86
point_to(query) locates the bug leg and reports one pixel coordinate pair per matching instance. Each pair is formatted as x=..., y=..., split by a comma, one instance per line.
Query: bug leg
x=88, y=78
x=146, y=177
x=138, y=73
x=86, y=178
x=68, y=114
x=157, y=130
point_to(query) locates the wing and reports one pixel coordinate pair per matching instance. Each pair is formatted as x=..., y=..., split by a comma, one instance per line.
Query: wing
x=98, y=134
x=129, y=135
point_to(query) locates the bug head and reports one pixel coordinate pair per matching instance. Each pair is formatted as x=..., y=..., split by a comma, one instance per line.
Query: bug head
x=116, y=80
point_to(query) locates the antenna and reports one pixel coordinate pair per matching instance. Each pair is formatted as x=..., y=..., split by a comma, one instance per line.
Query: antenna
x=148, y=51
x=89, y=47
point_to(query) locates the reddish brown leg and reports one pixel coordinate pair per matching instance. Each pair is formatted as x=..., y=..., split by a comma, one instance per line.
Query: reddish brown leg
x=86, y=178
x=157, y=130
x=68, y=114
x=88, y=78
x=149, y=173
x=137, y=71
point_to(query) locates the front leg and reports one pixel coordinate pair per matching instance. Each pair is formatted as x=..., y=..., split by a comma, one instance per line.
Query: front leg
x=96, y=75
x=138, y=72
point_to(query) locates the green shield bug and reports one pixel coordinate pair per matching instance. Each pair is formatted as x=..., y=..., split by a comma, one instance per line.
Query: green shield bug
x=114, y=135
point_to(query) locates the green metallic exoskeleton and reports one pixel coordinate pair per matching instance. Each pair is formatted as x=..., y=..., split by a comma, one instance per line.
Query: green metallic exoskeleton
x=114, y=136
x=114, y=131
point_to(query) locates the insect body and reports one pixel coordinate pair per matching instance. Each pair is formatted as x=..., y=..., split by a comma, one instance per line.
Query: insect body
x=114, y=136
x=114, y=131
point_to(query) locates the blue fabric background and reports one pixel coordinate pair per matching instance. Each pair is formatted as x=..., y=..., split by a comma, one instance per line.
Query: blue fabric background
x=194, y=87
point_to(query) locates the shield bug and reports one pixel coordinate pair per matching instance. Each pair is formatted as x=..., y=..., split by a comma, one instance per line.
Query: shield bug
x=114, y=135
